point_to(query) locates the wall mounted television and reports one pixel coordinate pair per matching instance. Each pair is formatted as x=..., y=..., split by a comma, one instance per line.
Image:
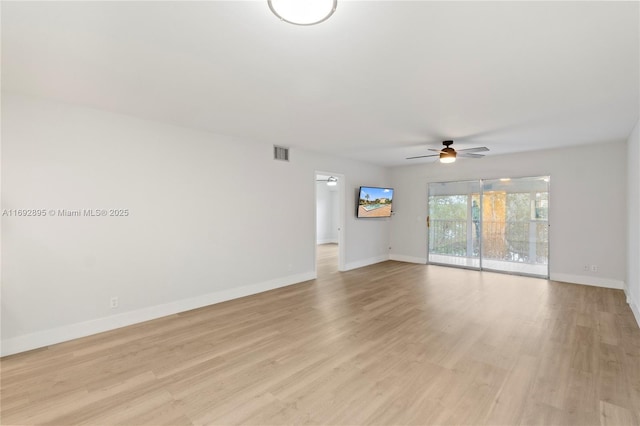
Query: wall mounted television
x=374, y=202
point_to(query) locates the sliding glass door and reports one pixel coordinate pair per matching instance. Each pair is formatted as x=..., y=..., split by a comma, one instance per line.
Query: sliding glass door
x=499, y=225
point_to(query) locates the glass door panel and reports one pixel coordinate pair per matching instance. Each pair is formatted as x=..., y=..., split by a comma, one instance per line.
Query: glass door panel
x=454, y=215
x=515, y=228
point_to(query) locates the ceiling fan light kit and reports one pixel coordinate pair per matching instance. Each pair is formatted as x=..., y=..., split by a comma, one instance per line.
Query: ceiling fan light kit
x=447, y=157
x=305, y=13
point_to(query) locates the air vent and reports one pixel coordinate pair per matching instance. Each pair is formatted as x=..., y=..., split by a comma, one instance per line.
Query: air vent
x=280, y=153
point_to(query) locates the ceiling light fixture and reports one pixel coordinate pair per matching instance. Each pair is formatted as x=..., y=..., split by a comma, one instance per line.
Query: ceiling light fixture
x=297, y=12
x=332, y=181
x=448, y=157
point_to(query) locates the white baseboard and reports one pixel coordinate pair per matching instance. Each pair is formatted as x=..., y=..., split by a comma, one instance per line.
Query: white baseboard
x=365, y=262
x=635, y=310
x=408, y=259
x=327, y=241
x=632, y=305
x=588, y=280
x=73, y=331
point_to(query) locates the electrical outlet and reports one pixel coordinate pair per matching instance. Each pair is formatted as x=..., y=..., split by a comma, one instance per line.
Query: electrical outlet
x=586, y=268
x=594, y=268
x=114, y=302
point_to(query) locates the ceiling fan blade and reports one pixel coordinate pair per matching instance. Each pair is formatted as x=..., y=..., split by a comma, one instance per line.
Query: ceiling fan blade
x=470, y=155
x=478, y=149
x=423, y=156
x=435, y=150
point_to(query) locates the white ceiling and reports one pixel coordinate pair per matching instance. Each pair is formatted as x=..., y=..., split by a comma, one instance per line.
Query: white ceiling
x=379, y=81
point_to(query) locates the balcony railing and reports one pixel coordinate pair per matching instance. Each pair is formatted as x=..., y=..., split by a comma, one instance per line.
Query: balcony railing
x=515, y=241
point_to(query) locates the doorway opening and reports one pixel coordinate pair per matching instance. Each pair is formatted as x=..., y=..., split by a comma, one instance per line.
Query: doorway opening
x=329, y=241
x=500, y=225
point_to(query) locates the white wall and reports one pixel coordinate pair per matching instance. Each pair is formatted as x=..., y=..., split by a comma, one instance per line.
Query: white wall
x=633, y=217
x=326, y=213
x=335, y=217
x=587, y=215
x=202, y=208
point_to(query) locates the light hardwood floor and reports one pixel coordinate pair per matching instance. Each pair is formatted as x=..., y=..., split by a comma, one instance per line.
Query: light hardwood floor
x=392, y=343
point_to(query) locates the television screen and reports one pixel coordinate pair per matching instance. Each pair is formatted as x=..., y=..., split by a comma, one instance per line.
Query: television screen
x=374, y=202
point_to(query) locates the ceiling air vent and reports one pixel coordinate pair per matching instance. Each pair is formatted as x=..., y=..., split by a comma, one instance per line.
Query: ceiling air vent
x=280, y=153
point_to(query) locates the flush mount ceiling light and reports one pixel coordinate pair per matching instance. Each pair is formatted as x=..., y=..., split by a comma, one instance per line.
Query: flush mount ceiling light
x=299, y=12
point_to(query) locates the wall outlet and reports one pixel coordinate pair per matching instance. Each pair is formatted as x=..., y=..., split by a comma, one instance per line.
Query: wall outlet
x=594, y=268
x=114, y=302
x=586, y=268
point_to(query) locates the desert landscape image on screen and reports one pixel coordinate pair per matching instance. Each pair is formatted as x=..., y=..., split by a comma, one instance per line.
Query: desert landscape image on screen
x=375, y=202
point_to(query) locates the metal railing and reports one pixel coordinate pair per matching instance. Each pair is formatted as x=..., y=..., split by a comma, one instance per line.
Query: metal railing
x=515, y=241
x=448, y=237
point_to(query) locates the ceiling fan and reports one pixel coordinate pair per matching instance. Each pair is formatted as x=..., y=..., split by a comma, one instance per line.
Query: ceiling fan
x=331, y=181
x=448, y=154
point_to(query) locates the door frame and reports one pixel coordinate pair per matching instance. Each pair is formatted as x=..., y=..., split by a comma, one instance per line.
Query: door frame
x=341, y=219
